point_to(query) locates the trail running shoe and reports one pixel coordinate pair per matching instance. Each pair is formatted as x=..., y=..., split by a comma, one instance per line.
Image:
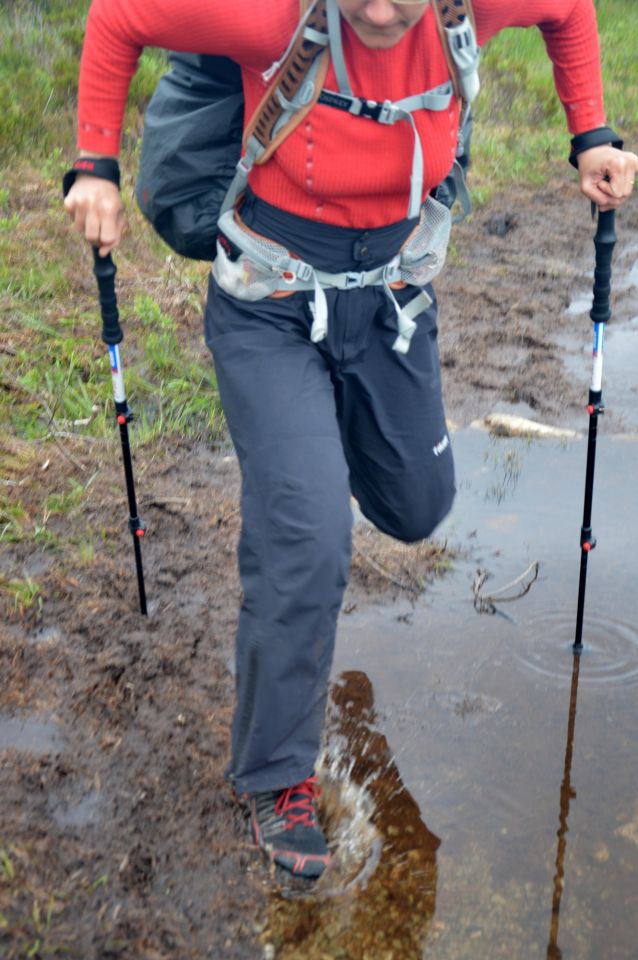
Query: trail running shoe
x=285, y=826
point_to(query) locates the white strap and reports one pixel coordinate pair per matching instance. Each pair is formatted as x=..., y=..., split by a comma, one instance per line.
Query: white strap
x=466, y=54
x=315, y=36
x=302, y=97
x=239, y=181
x=336, y=47
x=436, y=99
x=416, y=176
x=406, y=316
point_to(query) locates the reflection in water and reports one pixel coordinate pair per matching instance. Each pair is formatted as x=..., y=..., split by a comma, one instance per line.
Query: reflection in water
x=388, y=915
x=566, y=795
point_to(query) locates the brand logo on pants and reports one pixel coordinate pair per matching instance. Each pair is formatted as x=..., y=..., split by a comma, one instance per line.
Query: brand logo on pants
x=441, y=446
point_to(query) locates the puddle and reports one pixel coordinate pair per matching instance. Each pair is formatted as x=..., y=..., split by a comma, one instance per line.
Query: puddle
x=36, y=735
x=620, y=376
x=626, y=272
x=503, y=778
x=580, y=304
x=620, y=369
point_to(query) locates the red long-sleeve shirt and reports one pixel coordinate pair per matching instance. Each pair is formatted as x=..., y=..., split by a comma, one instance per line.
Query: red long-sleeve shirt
x=334, y=167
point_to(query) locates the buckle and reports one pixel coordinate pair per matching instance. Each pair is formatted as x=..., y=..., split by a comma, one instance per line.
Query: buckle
x=370, y=108
x=304, y=271
x=354, y=280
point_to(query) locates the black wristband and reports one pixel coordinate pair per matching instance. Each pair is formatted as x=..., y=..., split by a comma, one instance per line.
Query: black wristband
x=107, y=168
x=599, y=137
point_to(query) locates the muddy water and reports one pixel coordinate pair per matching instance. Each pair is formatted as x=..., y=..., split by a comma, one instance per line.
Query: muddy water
x=620, y=380
x=502, y=773
x=38, y=735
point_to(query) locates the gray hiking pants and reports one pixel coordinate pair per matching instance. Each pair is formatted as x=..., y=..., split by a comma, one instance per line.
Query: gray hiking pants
x=311, y=423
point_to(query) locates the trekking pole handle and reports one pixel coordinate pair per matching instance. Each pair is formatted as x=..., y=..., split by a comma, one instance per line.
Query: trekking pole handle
x=105, y=270
x=604, y=241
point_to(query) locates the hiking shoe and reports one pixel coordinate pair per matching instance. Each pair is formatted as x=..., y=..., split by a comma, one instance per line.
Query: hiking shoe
x=285, y=826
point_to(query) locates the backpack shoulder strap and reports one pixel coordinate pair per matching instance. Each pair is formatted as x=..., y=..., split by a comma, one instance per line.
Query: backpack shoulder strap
x=457, y=30
x=297, y=84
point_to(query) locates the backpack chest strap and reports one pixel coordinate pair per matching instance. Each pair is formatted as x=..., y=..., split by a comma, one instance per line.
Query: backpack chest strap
x=390, y=112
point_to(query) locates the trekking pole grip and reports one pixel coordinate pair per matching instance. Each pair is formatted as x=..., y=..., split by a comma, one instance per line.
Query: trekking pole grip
x=604, y=241
x=105, y=270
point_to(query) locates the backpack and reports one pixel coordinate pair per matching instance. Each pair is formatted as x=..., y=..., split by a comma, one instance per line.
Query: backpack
x=184, y=172
x=187, y=177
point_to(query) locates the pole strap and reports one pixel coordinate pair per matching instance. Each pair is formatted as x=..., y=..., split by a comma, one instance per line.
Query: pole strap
x=106, y=168
x=599, y=137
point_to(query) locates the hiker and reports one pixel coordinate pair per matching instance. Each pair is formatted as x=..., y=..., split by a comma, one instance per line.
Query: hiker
x=328, y=369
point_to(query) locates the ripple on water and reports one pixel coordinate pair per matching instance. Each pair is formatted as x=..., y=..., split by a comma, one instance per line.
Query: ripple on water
x=609, y=655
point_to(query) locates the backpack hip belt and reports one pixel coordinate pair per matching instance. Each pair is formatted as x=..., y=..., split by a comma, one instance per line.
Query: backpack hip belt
x=251, y=267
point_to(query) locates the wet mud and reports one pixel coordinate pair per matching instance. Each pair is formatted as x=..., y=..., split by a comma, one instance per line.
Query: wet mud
x=119, y=837
x=514, y=305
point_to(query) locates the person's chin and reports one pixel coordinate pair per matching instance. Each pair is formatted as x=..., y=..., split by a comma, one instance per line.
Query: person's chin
x=378, y=39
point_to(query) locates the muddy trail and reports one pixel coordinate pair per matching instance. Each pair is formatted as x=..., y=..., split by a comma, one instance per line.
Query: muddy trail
x=119, y=837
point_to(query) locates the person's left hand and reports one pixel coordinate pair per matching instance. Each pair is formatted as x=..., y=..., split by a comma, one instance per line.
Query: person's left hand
x=607, y=175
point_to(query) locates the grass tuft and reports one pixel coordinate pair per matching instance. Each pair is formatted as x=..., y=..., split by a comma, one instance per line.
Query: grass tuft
x=26, y=594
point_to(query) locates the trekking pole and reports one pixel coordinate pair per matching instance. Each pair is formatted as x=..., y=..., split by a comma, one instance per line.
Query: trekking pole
x=567, y=794
x=600, y=313
x=105, y=270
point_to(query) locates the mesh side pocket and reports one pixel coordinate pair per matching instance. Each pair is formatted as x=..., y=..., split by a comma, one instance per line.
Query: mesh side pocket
x=423, y=256
x=247, y=279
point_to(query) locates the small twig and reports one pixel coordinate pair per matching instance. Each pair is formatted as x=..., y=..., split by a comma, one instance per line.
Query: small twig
x=487, y=603
x=532, y=567
x=54, y=435
x=65, y=452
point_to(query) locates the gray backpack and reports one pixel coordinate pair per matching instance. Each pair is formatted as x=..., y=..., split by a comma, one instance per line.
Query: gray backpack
x=184, y=172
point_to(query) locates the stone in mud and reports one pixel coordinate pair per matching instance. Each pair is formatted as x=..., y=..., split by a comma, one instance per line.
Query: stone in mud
x=509, y=425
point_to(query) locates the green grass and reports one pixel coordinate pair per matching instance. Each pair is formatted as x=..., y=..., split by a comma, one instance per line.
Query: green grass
x=520, y=131
x=40, y=46
x=61, y=381
x=54, y=372
x=25, y=594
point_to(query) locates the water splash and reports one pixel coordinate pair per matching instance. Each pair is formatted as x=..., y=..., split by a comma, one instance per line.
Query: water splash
x=378, y=898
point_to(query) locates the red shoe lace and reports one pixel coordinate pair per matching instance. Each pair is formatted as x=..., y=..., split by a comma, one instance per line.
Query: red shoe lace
x=304, y=795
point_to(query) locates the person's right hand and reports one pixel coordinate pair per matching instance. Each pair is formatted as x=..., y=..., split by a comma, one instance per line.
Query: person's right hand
x=97, y=211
